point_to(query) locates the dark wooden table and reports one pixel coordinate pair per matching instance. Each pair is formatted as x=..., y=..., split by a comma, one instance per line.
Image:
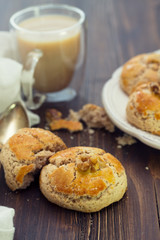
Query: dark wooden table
x=117, y=30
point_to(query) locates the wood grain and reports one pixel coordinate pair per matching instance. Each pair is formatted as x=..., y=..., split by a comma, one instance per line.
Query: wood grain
x=117, y=30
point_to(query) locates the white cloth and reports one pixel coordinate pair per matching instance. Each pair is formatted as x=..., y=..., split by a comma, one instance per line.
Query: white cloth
x=6, y=223
x=7, y=51
x=6, y=214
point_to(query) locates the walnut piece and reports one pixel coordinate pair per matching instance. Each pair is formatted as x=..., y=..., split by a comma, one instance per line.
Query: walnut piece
x=155, y=88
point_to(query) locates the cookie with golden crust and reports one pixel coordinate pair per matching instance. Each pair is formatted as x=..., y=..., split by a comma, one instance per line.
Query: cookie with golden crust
x=143, y=108
x=140, y=69
x=85, y=179
x=25, y=153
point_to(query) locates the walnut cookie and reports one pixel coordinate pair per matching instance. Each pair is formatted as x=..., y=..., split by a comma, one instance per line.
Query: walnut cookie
x=140, y=69
x=25, y=153
x=143, y=108
x=85, y=179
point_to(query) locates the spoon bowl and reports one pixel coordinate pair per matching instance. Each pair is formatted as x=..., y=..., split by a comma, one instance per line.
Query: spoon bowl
x=12, y=119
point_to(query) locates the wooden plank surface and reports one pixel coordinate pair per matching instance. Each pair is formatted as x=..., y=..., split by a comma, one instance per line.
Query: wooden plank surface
x=117, y=30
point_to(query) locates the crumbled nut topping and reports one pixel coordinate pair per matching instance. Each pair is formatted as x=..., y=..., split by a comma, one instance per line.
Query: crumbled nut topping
x=83, y=166
x=90, y=163
x=155, y=88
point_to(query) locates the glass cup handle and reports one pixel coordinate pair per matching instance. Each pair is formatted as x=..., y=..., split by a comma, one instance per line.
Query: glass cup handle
x=32, y=100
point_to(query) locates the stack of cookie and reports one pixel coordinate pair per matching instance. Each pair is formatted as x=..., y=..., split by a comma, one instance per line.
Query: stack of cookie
x=140, y=79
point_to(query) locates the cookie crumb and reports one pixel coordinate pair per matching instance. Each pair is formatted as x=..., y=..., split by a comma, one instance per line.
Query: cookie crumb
x=56, y=122
x=119, y=146
x=91, y=131
x=91, y=115
x=95, y=117
x=125, y=140
x=73, y=116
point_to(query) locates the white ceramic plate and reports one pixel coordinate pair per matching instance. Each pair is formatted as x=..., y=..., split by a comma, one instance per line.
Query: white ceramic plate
x=115, y=101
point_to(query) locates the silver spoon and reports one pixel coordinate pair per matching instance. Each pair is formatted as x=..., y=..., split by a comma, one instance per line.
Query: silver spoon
x=12, y=119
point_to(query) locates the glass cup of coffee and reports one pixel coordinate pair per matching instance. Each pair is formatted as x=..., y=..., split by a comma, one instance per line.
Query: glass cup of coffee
x=51, y=44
